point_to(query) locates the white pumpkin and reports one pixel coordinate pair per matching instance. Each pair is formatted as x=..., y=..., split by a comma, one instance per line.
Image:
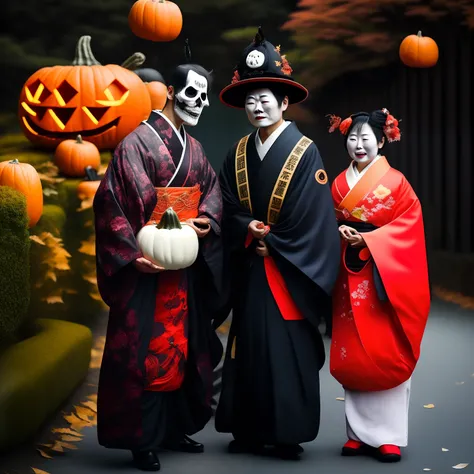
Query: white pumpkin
x=170, y=244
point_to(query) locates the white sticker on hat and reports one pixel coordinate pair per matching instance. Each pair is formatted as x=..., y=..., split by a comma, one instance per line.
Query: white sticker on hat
x=255, y=59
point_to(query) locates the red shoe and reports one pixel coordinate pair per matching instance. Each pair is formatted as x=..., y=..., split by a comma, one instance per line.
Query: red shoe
x=352, y=448
x=389, y=453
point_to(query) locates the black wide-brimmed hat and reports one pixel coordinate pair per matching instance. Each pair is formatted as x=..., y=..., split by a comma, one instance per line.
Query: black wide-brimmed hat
x=262, y=66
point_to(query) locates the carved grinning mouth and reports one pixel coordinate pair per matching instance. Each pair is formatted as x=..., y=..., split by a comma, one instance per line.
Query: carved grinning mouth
x=64, y=135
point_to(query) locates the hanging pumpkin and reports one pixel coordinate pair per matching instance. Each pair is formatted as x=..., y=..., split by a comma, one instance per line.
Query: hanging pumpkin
x=170, y=244
x=88, y=187
x=152, y=78
x=24, y=178
x=155, y=20
x=102, y=103
x=419, y=51
x=73, y=156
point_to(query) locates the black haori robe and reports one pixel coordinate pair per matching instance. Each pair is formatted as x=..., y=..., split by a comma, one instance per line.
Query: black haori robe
x=130, y=417
x=270, y=393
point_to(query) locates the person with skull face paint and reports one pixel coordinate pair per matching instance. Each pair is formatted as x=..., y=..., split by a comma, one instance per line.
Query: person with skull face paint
x=282, y=237
x=156, y=376
x=382, y=296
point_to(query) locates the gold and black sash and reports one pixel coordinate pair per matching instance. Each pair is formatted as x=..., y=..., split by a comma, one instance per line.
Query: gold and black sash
x=281, y=184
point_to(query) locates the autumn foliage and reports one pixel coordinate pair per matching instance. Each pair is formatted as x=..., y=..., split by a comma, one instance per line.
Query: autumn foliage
x=334, y=37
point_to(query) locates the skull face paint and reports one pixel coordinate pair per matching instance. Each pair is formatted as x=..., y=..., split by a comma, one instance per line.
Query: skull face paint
x=262, y=108
x=192, y=98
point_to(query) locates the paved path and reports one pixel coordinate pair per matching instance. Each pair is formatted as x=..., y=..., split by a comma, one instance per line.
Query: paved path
x=444, y=377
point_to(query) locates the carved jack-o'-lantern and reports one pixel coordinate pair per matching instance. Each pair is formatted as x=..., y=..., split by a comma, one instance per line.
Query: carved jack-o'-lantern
x=101, y=103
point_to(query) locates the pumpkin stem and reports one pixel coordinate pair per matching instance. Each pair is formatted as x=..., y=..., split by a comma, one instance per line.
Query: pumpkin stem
x=84, y=56
x=79, y=139
x=134, y=61
x=419, y=34
x=14, y=162
x=91, y=174
x=169, y=220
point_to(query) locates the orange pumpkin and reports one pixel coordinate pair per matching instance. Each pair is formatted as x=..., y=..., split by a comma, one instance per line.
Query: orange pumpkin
x=24, y=178
x=102, y=103
x=155, y=20
x=87, y=188
x=73, y=156
x=158, y=94
x=419, y=51
x=152, y=78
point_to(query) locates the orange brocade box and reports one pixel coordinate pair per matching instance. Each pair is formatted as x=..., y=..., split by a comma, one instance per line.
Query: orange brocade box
x=184, y=201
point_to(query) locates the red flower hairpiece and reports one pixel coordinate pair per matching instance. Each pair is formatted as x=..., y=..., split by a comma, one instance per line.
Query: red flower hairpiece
x=334, y=122
x=236, y=77
x=391, y=130
x=286, y=68
x=345, y=125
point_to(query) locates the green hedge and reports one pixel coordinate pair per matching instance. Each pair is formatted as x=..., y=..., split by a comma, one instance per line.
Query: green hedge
x=14, y=264
x=38, y=375
x=72, y=294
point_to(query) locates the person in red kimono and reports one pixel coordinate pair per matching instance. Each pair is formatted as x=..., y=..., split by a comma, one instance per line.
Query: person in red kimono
x=156, y=376
x=382, y=297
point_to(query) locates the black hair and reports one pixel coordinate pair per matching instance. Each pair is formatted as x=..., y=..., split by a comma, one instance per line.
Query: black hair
x=375, y=119
x=178, y=79
x=278, y=90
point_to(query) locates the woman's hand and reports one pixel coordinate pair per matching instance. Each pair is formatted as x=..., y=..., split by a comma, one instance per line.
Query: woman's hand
x=258, y=229
x=201, y=225
x=262, y=249
x=144, y=265
x=352, y=236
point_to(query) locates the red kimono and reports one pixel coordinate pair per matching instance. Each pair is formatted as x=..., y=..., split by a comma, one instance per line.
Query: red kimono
x=382, y=298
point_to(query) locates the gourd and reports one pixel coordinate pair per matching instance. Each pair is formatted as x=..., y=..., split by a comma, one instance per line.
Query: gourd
x=169, y=244
x=73, y=156
x=419, y=51
x=88, y=187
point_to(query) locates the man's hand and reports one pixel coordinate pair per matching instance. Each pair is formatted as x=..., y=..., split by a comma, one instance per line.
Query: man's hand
x=144, y=265
x=262, y=249
x=258, y=229
x=351, y=236
x=201, y=225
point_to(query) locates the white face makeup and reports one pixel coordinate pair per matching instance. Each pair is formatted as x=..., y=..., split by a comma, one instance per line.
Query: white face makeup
x=362, y=146
x=262, y=108
x=191, y=99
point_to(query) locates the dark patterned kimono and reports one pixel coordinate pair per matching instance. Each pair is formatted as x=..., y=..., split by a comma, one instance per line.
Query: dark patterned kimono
x=159, y=325
x=270, y=391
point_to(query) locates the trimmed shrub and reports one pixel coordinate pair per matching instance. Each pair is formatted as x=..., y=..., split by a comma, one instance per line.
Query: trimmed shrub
x=14, y=264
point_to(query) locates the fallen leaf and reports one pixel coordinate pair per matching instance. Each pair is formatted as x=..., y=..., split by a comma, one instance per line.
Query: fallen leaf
x=66, y=431
x=70, y=438
x=429, y=406
x=76, y=423
x=57, y=447
x=39, y=471
x=87, y=247
x=341, y=399
x=85, y=413
x=49, y=192
x=36, y=239
x=54, y=299
x=91, y=404
x=46, y=445
x=47, y=456
x=461, y=465
x=93, y=397
x=67, y=445
x=445, y=450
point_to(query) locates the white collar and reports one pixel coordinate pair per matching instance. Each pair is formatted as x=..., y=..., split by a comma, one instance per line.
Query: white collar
x=181, y=128
x=353, y=175
x=262, y=148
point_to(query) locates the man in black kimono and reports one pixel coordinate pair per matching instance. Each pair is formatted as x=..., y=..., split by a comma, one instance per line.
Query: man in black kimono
x=156, y=376
x=280, y=228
